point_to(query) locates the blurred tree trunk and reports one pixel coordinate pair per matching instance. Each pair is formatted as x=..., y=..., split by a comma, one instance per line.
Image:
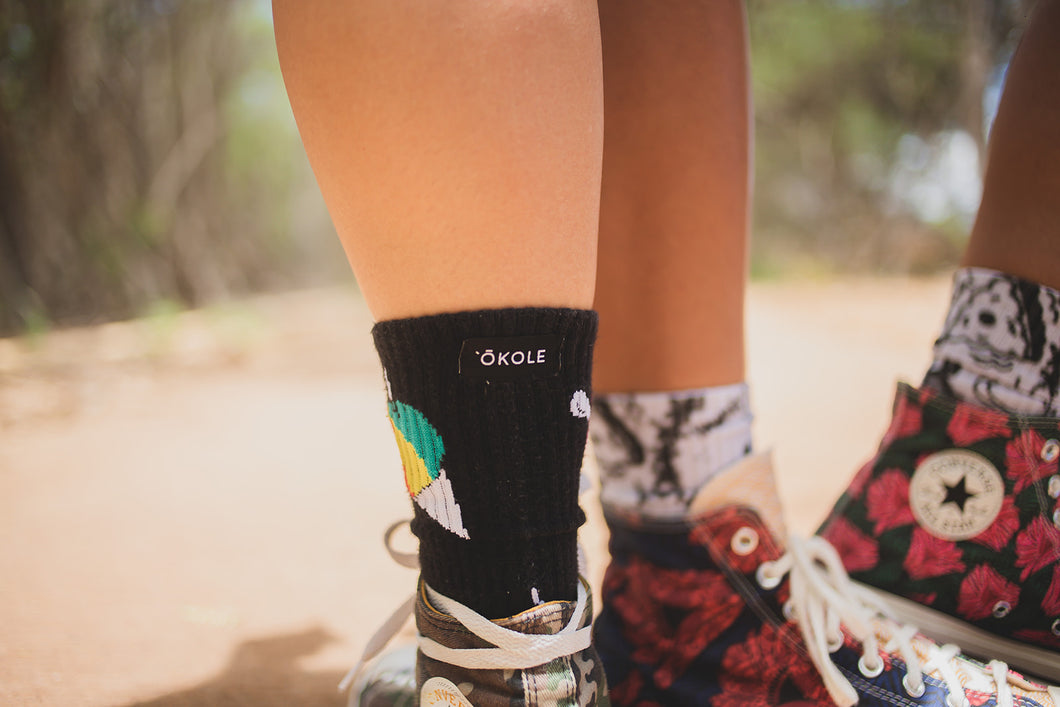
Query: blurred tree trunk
x=113, y=190
x=990, y=31
x=852, y=99
x=977, y=61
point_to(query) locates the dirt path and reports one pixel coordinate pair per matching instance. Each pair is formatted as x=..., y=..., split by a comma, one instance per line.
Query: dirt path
x=191, y=505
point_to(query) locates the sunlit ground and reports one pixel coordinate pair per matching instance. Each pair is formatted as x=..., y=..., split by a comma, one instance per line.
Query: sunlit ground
x=191, y=505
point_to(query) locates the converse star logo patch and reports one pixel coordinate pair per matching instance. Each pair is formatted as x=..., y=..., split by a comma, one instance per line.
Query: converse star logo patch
x=956, y=494
x=439, y=692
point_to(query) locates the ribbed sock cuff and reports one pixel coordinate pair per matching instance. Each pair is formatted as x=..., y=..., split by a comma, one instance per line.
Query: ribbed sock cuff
x=490, y=409
x=1000, y=344
x=656, y=450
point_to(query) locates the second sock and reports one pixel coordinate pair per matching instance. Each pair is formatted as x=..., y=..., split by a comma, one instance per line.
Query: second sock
x=657, y=450
x=1000, y=345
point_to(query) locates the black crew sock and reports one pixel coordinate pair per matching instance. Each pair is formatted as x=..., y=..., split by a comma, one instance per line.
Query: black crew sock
x=490, y=410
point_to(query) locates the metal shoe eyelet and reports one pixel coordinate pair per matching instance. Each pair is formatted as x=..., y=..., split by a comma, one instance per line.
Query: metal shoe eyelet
x=1051, y=451
x=789, y=611
x=914, y=692
x=744, y=541
x=1055, y=628
x=764, y=579
x=1056, y=517
x=868, y=672
x=1054, y=486
x=1001, y=609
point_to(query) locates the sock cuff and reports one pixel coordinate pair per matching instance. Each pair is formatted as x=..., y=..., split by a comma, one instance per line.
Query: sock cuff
x=717, y=395
x=567, y=334
x=655, y=450
x=979, y=273
x=999, y=344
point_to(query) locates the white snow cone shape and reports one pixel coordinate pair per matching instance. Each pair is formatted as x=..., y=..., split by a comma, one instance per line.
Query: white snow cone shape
x=422, y=449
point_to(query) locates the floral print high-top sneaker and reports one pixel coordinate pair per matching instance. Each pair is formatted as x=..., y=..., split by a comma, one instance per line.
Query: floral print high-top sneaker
x=719, y=610
x=957, y=520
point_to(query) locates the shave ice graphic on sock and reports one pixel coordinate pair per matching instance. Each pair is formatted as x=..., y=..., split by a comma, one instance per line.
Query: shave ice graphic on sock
x=421, y=451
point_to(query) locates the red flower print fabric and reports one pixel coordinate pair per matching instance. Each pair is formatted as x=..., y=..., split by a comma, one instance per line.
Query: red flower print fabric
x=1037, y=546
x=754, y=672
x=984, y=592
x=888, y=501
x=954, y=512
x=1024, y=462
x=1002, y=529
x=931, y=557
x=859, y=551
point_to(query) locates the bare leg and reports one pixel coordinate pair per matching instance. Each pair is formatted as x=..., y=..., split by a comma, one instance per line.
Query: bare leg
x=674, y=208
x=672, y=261
x=999, y=346
x=457, y=145
x=1017, y=230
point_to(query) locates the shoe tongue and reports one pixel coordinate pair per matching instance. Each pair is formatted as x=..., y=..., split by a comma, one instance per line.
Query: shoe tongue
x=549, y=617
x=749, y=482
x=545, y=619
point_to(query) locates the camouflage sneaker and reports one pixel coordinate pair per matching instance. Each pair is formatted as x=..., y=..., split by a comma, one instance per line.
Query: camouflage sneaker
x=542, y=656
x=715, y=611
x=389, y=681
x=957, y=520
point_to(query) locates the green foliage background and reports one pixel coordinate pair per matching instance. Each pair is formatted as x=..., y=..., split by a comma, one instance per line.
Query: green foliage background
x=836, y=86
x=149, y=160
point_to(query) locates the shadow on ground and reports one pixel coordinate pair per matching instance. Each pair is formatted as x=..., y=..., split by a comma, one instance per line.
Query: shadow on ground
x=265, y=672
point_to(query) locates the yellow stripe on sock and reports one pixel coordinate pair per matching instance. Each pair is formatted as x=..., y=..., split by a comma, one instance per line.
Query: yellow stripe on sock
x=416, y=475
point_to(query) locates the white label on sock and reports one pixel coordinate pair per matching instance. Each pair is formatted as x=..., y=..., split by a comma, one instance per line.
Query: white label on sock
x=510, y=357
x=439, y=692
x=956, y=494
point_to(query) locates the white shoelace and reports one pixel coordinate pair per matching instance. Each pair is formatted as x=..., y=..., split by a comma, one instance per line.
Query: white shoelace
x=824, y=599
x=512, y=649
x=390, y=628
